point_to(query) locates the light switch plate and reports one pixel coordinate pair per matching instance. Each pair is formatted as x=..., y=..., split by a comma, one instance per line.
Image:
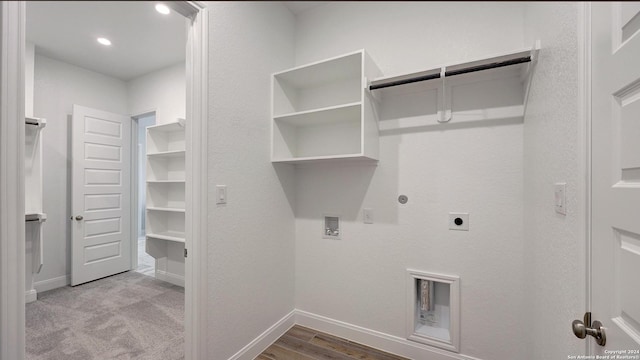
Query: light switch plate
x=221, y=194
x=459, y=221
x=560, y=198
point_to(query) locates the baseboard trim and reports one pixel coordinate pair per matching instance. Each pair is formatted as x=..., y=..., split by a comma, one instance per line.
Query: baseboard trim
x=53, y=283
x=375, y=339
x=170, y=278
x=30, y=296
x=264, y=340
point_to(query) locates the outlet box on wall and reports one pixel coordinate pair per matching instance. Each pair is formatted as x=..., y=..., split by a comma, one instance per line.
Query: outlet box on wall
x=459, y=221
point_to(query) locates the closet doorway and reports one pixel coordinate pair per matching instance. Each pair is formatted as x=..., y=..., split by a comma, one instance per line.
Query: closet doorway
x=108, y=62
x=143, y=262
x=195, y=64
x=13, y=107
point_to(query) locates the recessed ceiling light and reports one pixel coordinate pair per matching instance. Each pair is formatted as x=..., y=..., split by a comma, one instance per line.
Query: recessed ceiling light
x=104, y=41
x=163, y=9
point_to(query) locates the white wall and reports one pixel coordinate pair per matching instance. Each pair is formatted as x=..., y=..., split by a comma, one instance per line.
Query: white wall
x=554, y=243
x=475, y=168
x=251, y=244
x=29, y=66
x=57, y=87
x=163, y=91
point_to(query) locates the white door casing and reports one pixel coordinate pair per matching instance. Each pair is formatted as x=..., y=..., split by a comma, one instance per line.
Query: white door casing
x=615, y=175
x=101, y=192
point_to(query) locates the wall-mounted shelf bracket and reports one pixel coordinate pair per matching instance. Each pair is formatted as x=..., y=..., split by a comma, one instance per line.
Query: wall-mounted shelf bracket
x=444, y=97
x=39, y=122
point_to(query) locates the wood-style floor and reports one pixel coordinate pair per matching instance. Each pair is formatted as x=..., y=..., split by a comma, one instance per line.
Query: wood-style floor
x=300, y=343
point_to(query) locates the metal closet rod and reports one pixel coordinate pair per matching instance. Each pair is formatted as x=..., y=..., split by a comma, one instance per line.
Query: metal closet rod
x=31, y=122
x=453, y=72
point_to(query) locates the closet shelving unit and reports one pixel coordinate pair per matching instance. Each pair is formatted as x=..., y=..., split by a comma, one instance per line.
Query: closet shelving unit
x=165, y=220
x=516, y=65
x=33, y=169
x=321, y=111
x=34, y=212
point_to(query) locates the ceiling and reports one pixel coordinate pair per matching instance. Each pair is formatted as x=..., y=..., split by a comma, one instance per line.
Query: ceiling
x=143, y=40
x=297, y=7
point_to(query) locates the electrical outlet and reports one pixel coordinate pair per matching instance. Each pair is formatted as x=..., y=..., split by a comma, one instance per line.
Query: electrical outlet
x=459, y=221
x=367, y=216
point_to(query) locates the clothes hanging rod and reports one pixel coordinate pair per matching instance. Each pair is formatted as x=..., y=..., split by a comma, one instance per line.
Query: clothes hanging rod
x=488, y=66
x=32, y=122
x=405, y=81
x=470, y=69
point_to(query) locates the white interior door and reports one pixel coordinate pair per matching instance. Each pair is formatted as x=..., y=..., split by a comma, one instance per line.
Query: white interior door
x=101, y=154
x=615, y=175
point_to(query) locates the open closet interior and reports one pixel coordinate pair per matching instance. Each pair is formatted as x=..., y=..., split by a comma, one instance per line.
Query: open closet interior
x=84, y=171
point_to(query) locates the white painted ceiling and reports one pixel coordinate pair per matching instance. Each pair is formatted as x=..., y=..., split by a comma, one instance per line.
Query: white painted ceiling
x=297, y=7
x=143, y=40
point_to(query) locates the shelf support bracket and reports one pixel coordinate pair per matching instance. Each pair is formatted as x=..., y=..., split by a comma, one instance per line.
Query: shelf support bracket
x=444, y=103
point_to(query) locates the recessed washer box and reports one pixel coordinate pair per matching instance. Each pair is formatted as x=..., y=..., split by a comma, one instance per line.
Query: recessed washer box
x=433, y=309
x=331, y=227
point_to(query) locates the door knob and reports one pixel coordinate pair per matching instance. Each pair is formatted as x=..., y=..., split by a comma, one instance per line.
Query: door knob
x=583, y=328
x=79, y=217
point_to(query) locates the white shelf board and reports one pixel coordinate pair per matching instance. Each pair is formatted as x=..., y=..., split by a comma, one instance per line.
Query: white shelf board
x=38, y=122
x=477, y=62
x=166, y=181
x=157, y=208
x=311, y=159
x=327, y=115
x=169, y=154
x=168, y=235
x=35, y=216
x=168, y=127
x=322, y=72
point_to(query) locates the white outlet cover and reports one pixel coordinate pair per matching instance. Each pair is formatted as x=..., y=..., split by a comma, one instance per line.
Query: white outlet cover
x=462, y=216
x=560, y=198
x=367, y=216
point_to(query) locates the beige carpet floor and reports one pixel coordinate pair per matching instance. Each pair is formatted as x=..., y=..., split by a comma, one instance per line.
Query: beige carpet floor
x=125, y=316
x=146, y=264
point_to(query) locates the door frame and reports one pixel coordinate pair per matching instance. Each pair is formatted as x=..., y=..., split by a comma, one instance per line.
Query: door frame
x=12, y=192
x=135, y=184
x=584, y=147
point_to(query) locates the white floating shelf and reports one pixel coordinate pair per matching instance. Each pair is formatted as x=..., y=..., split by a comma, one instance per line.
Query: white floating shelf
x=41, y=217
x=326, y=115
x=168, y=236
x=168, y=127
x=38, y=122
x=168, y=209
x=318, y=159
x=165, y=181
x=167, y=154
